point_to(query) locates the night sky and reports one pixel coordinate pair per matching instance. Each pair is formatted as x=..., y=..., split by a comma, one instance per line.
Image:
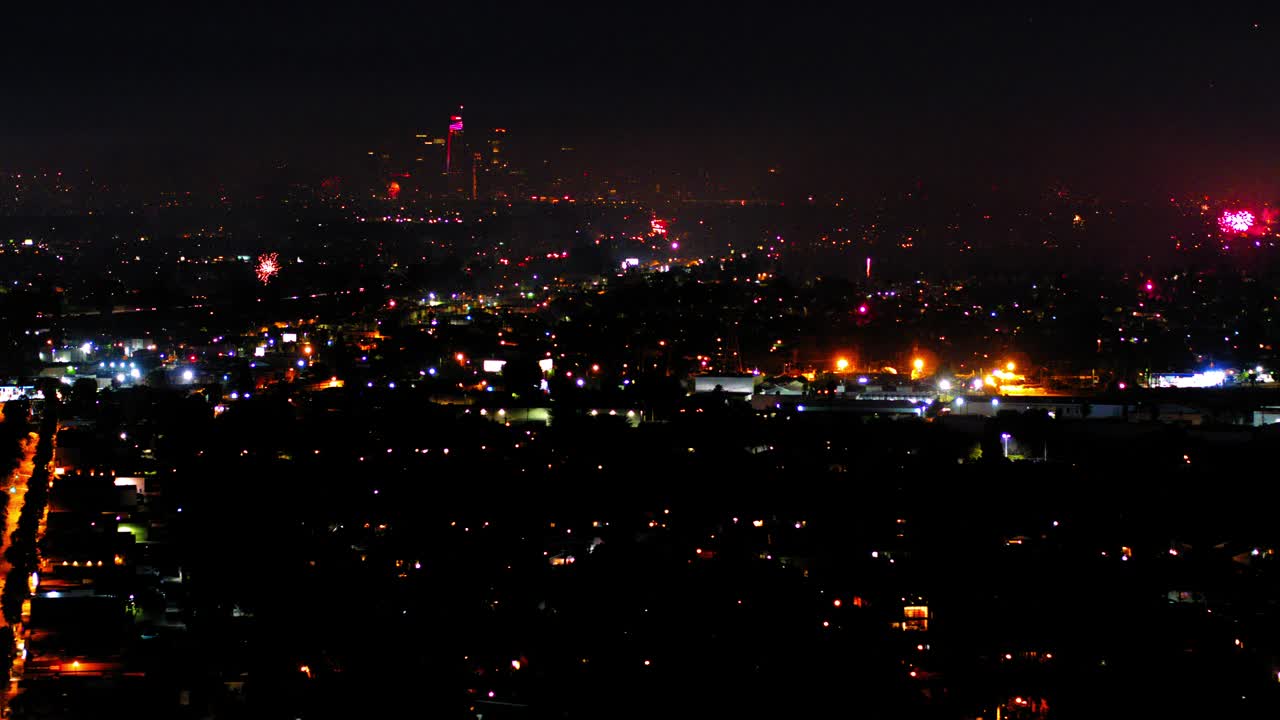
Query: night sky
x=1135, y=102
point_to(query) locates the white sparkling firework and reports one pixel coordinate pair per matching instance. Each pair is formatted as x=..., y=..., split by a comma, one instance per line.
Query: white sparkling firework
x=1239, y=221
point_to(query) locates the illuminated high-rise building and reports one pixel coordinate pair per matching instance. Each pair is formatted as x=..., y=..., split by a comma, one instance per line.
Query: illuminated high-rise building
x=456, y=158
x=497, y=160
x=497, y=169
x=476, y=162
x=454, y=145
x=426, y=157
x=428, y=150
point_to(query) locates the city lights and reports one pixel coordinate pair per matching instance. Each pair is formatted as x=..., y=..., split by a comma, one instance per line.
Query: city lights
x=638, y=329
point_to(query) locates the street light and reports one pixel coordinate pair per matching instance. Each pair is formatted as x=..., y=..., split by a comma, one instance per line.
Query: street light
x=1004, y=438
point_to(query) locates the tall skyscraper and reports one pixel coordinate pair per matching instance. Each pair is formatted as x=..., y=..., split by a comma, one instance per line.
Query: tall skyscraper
x=456, y=158
x=454, y=143
x=497, y=166
x=425, y=160
x=428, y=151
x=497, y=160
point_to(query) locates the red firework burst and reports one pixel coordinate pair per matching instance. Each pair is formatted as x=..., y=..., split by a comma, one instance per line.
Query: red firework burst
x=267, y=268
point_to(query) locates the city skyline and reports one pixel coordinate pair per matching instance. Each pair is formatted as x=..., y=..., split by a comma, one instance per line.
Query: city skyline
x=838, y=101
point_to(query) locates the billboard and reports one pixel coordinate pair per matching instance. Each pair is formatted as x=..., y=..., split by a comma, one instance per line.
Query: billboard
x=1209, y=378
x=13, y=392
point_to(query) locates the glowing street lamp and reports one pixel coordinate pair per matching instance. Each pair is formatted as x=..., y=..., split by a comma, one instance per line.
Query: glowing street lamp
x=1004, y=438
x=917, y=368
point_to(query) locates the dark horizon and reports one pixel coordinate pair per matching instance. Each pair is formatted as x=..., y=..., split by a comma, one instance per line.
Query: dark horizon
x=840, y=102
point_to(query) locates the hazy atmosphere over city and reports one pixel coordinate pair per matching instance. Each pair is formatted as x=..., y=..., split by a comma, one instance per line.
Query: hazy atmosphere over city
x=605, y=361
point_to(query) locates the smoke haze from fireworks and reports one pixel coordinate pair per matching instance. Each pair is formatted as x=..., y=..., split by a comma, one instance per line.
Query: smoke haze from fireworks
x=268, y=267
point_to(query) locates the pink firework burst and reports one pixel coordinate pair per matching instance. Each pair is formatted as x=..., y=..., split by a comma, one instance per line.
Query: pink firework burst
x=1238, y=221
x=267, y=268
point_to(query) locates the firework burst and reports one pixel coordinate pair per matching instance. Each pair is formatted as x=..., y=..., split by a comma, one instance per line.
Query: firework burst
x=1238, y=221
x=268, y=267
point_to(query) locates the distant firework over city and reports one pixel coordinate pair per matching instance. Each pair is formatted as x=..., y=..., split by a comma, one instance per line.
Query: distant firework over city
x=268, y=267
x=1237, y=221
